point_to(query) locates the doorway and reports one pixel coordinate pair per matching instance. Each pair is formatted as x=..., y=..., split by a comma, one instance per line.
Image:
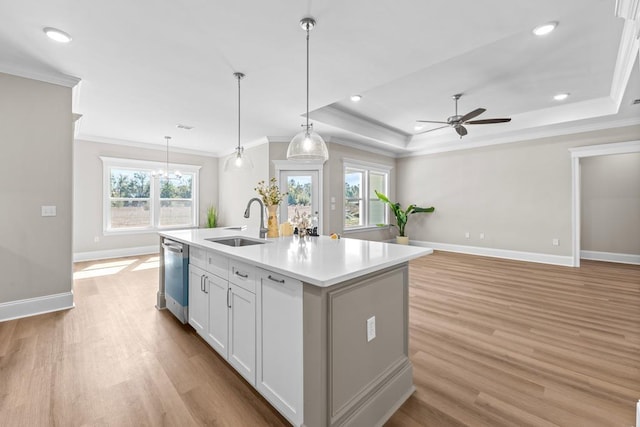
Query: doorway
x=576, y=154
x=303, y=183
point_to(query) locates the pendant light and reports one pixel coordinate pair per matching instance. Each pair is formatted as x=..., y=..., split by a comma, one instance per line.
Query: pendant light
x=238, y=161
x=165, y=173
x=308, y=145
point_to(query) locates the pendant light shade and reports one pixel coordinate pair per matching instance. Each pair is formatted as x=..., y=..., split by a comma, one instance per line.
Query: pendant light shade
x=308, y=145
x=238, y=161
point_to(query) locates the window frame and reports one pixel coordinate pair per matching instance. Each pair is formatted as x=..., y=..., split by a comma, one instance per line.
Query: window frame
x=109, y=163
x=366, y=168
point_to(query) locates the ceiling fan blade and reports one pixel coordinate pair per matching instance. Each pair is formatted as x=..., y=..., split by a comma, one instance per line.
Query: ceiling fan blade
x=472, y=114
x=431, y=130
x=462, y=131
x=430, y=121
x=487, y=121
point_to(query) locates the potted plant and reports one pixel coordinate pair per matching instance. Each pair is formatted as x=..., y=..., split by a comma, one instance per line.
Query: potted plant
x=212, y=217
x=402, y=216
x=271, y=197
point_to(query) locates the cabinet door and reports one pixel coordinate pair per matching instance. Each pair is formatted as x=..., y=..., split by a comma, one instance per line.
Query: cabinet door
x=242, y=332
x=198, y=301
x=280, y=343
x=218, y=307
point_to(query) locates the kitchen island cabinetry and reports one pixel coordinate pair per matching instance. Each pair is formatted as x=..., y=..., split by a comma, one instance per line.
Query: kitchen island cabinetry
x=280, y=343
x=224, y=310
x=318, y=326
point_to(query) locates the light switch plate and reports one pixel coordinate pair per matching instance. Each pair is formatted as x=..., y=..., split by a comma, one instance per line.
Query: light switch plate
x=48, y=210
x=371, y=328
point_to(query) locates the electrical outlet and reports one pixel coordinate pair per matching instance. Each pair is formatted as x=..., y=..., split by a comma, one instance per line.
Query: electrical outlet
x=466, y=235
x=371, y=328
x=555, y=242
x=96, y=239
x=481, y=236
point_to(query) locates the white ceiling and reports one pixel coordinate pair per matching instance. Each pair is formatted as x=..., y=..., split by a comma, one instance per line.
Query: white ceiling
x=147, y=65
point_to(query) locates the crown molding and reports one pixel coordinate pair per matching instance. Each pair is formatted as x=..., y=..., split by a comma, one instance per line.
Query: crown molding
x=145, y=145
x=43, y=76
x=361, y=126
x=533, y=134
x=629, y=10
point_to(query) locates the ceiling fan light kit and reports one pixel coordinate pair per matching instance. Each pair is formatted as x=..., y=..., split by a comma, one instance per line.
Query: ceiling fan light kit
x=307, y=145
x=458, y=121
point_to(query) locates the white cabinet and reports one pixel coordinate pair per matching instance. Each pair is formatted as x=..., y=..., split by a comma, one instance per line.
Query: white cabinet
x=198, y=300
x=222, y=293
x=218, y=321
x=242, y=332
x=280, y=343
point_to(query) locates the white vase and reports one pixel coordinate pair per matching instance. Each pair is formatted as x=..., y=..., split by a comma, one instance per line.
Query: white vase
x=402, y=240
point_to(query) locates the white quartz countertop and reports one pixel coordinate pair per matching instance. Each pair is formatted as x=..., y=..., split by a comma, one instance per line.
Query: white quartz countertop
x=319, y=261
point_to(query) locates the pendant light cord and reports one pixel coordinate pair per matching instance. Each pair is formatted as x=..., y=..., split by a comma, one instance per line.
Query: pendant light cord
x=239, y=77
x=167, y=138
x=307, y=78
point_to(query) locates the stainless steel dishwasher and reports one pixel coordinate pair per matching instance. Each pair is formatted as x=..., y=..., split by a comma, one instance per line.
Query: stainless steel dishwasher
x=176, y=278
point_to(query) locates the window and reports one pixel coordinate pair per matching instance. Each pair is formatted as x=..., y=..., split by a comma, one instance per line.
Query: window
x=135, y=200
x=362, y=207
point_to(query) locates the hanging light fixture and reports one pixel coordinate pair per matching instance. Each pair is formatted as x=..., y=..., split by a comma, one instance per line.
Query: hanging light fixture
x=308, y=145
x=165, y=173
x=238, y=161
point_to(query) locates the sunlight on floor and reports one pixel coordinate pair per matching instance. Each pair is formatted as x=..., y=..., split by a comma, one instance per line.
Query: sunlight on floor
x=103, y=269
x=151, y=262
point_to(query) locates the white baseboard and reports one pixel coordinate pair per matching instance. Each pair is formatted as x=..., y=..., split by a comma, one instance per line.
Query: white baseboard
x=610, y=257
x=39, y=305
x=499, y=253
x=115, y=253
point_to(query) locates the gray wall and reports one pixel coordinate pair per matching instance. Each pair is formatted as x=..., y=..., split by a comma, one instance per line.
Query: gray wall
x=610, y=220
x=333, y=184
x=88, y=193
x=334, y=187
x=35, y=170
x=518, y=195
x=237, y=188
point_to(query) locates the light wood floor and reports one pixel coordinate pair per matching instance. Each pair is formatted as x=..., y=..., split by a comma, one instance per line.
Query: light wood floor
x=493, y=343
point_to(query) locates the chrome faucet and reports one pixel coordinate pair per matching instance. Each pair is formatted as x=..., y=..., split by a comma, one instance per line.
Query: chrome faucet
x=263, y=231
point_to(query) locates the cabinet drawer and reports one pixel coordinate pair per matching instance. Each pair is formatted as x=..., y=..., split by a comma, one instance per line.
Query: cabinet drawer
x=243, y=275
x=217, y=264
x=209, y=261
x=197, y=256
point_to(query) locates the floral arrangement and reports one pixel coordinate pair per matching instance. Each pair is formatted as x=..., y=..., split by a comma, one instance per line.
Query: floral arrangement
x=270, y=193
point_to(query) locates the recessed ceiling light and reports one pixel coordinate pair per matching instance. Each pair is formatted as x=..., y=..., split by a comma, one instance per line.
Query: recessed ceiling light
x=561, y=96
x=545, y=29
x=356, y=98
x=418, y=127
x=57, y=35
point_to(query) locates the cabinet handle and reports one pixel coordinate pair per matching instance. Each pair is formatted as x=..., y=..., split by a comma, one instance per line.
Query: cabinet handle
x=244, y=276
x=276, y=280
x=228, y=302
x=202, y=283
x=205, y=284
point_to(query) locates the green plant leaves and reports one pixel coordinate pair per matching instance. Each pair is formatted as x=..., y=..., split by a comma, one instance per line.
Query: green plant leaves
x=402, y=216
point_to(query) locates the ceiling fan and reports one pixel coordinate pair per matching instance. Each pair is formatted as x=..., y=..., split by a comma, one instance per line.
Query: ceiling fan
x=456, y=121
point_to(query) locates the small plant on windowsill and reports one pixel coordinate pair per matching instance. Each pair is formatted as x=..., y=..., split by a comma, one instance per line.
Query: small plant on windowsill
x=402, y=216
x=212, y=217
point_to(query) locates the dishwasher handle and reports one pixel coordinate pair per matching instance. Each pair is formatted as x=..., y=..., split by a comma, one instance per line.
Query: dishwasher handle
x=175, y=247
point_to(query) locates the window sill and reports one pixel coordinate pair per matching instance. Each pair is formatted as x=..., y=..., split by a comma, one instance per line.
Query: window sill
x=352, y=230
x=134, y=231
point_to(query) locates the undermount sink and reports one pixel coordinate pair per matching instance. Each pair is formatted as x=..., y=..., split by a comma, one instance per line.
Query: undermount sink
x=236, y=241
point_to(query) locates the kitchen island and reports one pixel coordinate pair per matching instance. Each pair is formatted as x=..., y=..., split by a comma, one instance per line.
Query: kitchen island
x=318, y=326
